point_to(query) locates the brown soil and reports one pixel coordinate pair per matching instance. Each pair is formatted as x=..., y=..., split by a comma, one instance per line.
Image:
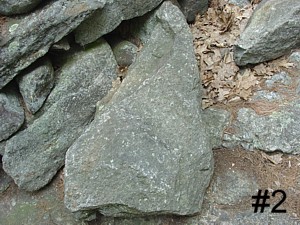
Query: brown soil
x=272, y=172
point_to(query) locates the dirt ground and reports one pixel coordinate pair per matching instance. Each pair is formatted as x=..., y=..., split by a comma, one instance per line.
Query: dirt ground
x=271, y=171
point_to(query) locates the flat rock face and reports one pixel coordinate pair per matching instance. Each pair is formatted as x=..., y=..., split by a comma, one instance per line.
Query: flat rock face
x=146, y=152
x=36, y=85
x=33, y=156
x=31, y=37
x=268, y=35
x=11, y=114
x=107, y=19
x=278, y=131
x=13, y=7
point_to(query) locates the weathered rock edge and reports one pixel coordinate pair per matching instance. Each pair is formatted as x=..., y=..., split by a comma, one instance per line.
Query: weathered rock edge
x=32, y=37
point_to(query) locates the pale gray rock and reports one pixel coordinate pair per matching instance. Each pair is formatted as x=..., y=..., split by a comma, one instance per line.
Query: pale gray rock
x=13, y=7
x=147, y=151
x=125, y=53
x=266, y=95
x=29, y=38
x=239, y=3
x=191, y=8
x=36, y=84
x=295, y=58
x=272, y=31
x=281, y=78
x=278, y=131
x=107, y=19
x=217, y=120
x=11, y=114
x=34, y=155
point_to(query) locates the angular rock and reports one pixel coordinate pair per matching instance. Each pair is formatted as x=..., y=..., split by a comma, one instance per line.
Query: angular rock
x=11, y=114
x=272, y=31
x=36, y=84
x=13, y=7
x=33, y=156
x=125, y=53
x=30, y=37
x=147, y=151
x=191, y=8
x=107, y=19
x=217, y=120
x=278, y=131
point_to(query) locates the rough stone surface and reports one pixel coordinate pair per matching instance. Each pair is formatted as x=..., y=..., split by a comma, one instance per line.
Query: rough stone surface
x=279, y=78
x=107, y=19
x=5, y=180
x=40, y=208
x=217, y=120
x=232, y=187
x=278, y=131
x=13, y=7
x=11, y=114
x=146, y=152
x=33, y=156
x=295, y=58
x=240, y=3
x=2, y=147
x=35, y=85
x=125, y=53
x=268, y=35
x=29, y=38
x=191, y=8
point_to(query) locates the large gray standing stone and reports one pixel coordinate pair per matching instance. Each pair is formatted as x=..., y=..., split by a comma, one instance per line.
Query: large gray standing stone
x=273, y=30
x=11, y=114
x=31, y=37
x=147, y=151
x=33, y=156
x=36, y=85
x=278, y=131
x=107, y=19
x=13, y=7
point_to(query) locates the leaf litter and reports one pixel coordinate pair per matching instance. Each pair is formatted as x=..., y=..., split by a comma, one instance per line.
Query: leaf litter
x=215, y=34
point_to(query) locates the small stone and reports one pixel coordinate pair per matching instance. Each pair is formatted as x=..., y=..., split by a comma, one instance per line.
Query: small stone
x=36, y=84
x=125, y=53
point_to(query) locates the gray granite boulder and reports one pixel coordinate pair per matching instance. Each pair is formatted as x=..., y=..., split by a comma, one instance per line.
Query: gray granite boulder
x=147, y=151
x=272, y=31
x=34, y=155
x=277, y=131
x=13, y=7
x=11, y=114
x=107, y=19
x=30, y=37
x=35, y=85
x=191, y=8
